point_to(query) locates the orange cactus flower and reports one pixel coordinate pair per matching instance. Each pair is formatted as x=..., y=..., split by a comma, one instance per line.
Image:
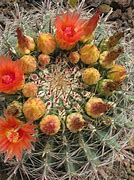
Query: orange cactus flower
x=69, y=29
x=15, y=137
x=11, y=76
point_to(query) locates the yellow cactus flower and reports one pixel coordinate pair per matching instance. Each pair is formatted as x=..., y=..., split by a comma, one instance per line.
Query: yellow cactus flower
x=89, y=54
x=90, y=76
x=34, y=108
x=30, y=89
x=44, y=59
x=107, y=58
x=28, y=64
x=74, y=57
x=50, y=124
x=96, y=107
x=75, y=122
x=46, y=43
x=117, y=73
x=13, y=109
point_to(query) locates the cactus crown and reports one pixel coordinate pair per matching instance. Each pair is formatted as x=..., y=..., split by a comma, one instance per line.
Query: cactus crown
x=82, y=108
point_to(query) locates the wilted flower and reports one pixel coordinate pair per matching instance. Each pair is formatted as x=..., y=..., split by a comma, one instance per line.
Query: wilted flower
x=113, y=40
x=44, y=59
x=90, y=76
x=107, y=86
x=26, y=44
x=28, y=63
x=50, y=124
x=13, y=109
x=107, y=58
x=117, y=73
x=34, y=108
x=74, y=57
x=30, y=89
x=90, y=26
x=46, y=43
x=75, y=122
x=95, y=107
x=11, y=76
x=89, y=54
x=15, y=137
x=69, y=29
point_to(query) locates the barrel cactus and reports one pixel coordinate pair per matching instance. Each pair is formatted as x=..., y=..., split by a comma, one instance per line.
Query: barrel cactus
x=79, y=117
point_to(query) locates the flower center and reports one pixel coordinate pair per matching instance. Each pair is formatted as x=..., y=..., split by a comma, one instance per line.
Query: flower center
x=12, y=135
x=68, y=31
x=8, y=78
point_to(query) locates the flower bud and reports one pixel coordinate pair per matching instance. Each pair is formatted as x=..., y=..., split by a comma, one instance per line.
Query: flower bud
x=30, y=89
x=74, y=57
x=44, y=59
x=50, y=124
x=75, y=122
x=26, y=44
x=34, y=108
x=96, y=107
x=117, y=73
x=107, y=58
x=107, y=86
x=46, y=43
x=28, y=64
x=90, y=76
x=14, y=109
x=89, y=54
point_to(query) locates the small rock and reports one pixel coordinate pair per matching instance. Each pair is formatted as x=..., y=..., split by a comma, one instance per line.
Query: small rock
x=132, y=167
x=130, y=13
x=116, y=14
x=123, y=3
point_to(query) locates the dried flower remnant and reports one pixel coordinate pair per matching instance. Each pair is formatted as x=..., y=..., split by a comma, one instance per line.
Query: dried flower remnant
x=91, y=25
x=75, y=122
x=96, y=107
x=15, y=137
x=107, y=58
x=50, y=124
x=107, y=86
x=11, y=76
x=113, y=40
x=26, y=44
x=117, y=73
x=14, y=109
x=34, y=108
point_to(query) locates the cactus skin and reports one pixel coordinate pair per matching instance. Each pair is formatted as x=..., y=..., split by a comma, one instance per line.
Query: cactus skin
x=71, y=155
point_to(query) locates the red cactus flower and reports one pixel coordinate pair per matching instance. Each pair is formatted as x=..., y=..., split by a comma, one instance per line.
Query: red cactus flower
x=15, y=137
x=69, y=29
x=11, y=76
